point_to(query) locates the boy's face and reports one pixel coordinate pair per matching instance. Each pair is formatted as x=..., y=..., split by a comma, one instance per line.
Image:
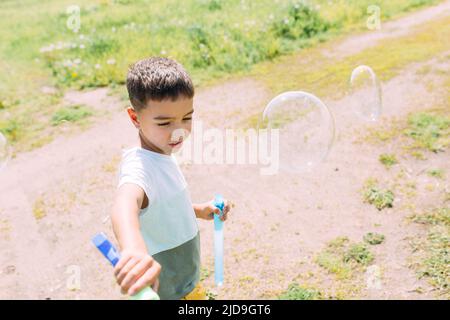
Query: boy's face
x=164, y=125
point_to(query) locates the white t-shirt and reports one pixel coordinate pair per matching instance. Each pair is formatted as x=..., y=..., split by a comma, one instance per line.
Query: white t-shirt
x=169, y=219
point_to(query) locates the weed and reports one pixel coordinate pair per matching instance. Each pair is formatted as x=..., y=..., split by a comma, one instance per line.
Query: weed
x=70, y=114
x=297, y=292
x=388, y=160
x=380, y=198
x=373, y=238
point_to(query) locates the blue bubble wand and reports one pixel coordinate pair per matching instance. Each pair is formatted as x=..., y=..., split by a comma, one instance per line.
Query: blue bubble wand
x=218, y=241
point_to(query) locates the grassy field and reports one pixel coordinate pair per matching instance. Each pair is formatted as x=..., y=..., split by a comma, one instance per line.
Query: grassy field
x=41, y=56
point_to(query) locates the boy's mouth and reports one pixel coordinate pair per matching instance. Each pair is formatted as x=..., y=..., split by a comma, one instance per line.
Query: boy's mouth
x=176, y=144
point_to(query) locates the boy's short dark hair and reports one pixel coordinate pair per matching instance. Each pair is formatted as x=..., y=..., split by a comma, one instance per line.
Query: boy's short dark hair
x=157, y=79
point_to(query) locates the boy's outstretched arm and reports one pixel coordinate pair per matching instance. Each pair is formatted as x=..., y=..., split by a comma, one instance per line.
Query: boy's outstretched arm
x=136, y=269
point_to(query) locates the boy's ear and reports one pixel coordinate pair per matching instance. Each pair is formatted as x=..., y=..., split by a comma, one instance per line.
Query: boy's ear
x=133, y=117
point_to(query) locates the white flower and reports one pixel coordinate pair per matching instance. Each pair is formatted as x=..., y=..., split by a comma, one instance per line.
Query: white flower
x=77, y=61
x=82, y=46
x=67, y=63
x=163, y=52
x=111, y=61
x=97, y=66
x=286, y=21
x=113, y=29
x=49, y=48
x=81, y=36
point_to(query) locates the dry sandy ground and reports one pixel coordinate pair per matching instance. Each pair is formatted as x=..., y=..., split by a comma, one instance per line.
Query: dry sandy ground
x=279, y=222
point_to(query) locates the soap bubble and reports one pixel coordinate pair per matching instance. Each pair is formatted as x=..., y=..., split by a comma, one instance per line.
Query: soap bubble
x=5, y=151
x=366, y=90
x=306, y=129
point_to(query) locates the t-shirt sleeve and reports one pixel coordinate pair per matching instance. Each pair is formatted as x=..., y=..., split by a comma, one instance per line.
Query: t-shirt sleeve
x=132, y=170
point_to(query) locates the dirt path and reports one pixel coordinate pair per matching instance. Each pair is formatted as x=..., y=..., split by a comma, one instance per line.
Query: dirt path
x=53, y=199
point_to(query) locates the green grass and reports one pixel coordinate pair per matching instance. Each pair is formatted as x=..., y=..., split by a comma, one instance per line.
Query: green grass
x=204, y=273
x=388, y=160
x=297, y=292
x=71, y=114
x=344, y=258
x=373, y=238
x=39, y=209
x=211, y=295
x=377, y=196
x=440, y=216
x=436, y=173
x=419, y=133
x=212, y=38
x=434, y=263
x=359, y=253
x=429, y=131
x=334, y=264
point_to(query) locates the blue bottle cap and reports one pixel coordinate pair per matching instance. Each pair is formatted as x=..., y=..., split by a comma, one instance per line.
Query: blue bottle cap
x=106, y=248
x=218, y=202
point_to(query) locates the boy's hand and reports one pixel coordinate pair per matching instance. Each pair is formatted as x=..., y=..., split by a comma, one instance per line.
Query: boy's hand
x=135, y=271
x=208, y=209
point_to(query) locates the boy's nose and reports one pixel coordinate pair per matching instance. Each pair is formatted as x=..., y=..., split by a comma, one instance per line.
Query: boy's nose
x=179, y=134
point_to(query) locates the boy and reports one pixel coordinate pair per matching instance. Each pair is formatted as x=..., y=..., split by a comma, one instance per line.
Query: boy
x=153, y=218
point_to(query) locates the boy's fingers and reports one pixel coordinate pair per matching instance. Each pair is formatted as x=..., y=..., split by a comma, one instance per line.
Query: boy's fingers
x=214, y=210
x=134, y=274
x=155, y=286
x=126, y=268
x=148, y=278
x=226, y=209
x=122, y=262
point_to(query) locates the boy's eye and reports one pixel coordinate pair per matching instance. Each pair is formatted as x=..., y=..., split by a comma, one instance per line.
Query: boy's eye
x=187, y=119
x=163, y=124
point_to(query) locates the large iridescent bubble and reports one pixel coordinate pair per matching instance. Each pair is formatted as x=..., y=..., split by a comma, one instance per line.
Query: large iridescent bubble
x=306, y=129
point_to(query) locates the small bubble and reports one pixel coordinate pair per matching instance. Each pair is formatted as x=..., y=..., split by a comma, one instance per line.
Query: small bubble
x=366, y=93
